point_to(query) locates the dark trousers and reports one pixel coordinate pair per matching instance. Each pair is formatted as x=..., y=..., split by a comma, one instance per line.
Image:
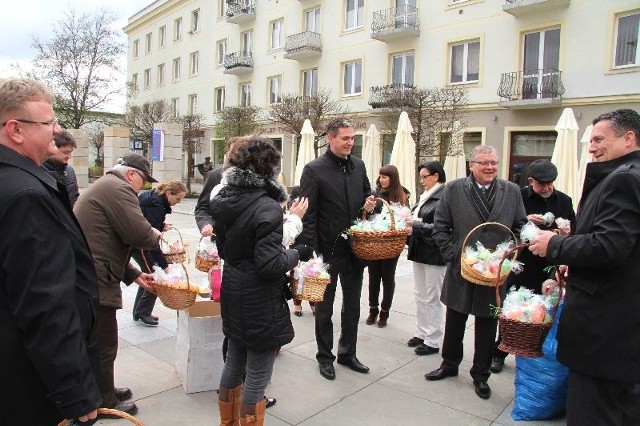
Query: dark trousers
x=385, y=271
x=485, y=335
x=108, y=347
x=592, y=401
x=144, y=303
x=351, y=282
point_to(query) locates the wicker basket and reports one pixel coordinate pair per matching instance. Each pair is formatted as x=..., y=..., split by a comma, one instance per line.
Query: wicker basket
x=170, y=255
x=111, y=412
x=177, y=298
x=312, y=288
x=471, y=275
x=378, y=245
x=203, y=264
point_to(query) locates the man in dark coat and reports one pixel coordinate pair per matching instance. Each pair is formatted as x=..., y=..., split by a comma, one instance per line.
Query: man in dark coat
x=48, y=286
x=539, y=197
x=337, y=187
x=468, y=202
x=59, y=167
x=599, y=331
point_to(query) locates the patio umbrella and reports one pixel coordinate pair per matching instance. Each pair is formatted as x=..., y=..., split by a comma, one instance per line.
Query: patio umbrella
x=371, y=153
x=455, y=165
x=403, y=154
x=565, y=154
x=585, y=158
x=305, y=151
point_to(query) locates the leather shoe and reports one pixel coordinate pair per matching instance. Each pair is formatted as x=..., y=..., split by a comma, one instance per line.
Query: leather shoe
x=327, y=371
x=354, y=364
x=482, y=389
x=414, y=341
x=441, y=373
x=423, y=349
x=123, y=393
x=127, y=407
x=148, y=319
x=137, y=317
x=496, y=364
x=269, y=402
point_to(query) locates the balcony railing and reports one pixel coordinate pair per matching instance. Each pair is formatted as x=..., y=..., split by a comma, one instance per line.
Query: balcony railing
x=540, y=85
x=237, y=62
x=395, y=22
x=522, y=7
x=390, y=95
x=302, y=45
x=240, y=10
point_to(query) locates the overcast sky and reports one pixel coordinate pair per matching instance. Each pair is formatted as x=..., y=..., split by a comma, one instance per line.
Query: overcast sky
x=26, y=17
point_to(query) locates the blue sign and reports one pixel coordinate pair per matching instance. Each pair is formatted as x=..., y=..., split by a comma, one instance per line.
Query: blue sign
x=157, y=145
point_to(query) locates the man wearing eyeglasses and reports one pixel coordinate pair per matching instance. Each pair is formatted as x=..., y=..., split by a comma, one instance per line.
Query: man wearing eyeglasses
x=48, y=284
x=110, y=215
x=58, y=165
x=468, y=202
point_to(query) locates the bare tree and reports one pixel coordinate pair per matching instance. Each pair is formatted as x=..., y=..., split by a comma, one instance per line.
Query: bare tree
x=96, y=143
x=141, y=119
x=237, y=121
x=192, y=134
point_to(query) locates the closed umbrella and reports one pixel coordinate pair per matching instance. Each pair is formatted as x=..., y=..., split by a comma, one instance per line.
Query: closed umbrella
x=403, y=154
x=565, y=154
x=371, y=153
x=305, y=152
x=585, y=158
x=455, y=165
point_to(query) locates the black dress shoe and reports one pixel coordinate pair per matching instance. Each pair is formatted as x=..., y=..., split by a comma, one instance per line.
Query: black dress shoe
x=426, y=350
x=482, y=389
x=496, y=364
x=414, y=341
x=148, y=319
x=441, y=373
x=354, y=364
x=127, y=407
x=123, y=393
x=269, y=402
x=327, y=371
x=136, y=317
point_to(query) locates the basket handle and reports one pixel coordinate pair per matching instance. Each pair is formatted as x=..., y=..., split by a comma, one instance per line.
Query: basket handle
x=464, y=243
x=391, y=215
x=144, y=259
x=181, y=242
x=514, y=251
x=112, y=412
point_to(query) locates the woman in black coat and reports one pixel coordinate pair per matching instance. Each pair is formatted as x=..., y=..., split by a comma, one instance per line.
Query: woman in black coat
x=428, y=266
x=255, y=313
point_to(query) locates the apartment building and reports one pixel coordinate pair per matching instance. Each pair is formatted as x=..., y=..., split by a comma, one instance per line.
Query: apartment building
x=522, y=61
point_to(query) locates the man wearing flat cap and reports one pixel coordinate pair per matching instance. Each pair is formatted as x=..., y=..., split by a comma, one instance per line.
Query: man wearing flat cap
x=110, y=216
x=539, y=197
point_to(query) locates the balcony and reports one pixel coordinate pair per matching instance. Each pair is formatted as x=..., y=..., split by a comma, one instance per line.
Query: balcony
x=238, y=63
x=303, y=45
x=392, y=95
x=542, y=89
x=241, y=11
x=395, y=23
x=523, y=7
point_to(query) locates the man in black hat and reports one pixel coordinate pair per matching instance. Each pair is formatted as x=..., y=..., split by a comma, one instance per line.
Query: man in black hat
x=539, y=197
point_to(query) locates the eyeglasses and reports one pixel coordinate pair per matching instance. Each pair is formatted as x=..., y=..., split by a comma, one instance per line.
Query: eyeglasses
x=425, y=176
x=486, y=163
x=51, y=123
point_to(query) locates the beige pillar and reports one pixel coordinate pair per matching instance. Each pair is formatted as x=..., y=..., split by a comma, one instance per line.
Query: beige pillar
x=80, y=159
x=116, y=144
x=171, y=166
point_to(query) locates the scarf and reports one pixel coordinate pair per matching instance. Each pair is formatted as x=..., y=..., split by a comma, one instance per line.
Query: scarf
x=423, y=199
x=483, y=199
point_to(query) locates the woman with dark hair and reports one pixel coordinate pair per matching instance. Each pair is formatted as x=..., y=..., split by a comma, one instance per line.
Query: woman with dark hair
x=255, y=313
x=388, y=188
x=428, y=265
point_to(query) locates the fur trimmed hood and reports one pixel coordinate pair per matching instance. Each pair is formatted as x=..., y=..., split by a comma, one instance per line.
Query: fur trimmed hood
x=247, y=179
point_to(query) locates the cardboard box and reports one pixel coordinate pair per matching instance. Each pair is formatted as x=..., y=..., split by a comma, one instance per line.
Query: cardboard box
x=199, y=340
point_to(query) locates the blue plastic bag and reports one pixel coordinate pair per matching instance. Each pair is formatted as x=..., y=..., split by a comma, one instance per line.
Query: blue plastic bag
x=541, y=383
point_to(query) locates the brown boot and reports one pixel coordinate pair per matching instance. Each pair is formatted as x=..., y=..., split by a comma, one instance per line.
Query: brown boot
x=382, y=322
x=253, y=414
x=371, y=319
x=229, y=405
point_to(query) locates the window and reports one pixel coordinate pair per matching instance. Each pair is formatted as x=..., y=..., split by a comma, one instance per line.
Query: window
x=162, y=36
x=277, y=33
x=312, y=20
x=193, y=104
x=465, y=62
x=352, y=78
x=147, y=44
x=218, y=96
x=541, y=62
x=134, y=82
x=627, y=49
x=195, y=21
x=147, y=78
x=175, y=107
x=223, y=8
x=136, y=48
x=193, y=63
x=247, y=43
x=525, y=148
x=221, y=51
x=176, y=69
x=402, y=66
x=161, y=75
x=310, y=82
x=354, y=14
x=177, y=29
x=245, y=94
x=356, y=151
x=275, y=89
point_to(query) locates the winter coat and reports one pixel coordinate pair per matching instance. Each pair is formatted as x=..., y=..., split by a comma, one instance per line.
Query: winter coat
x=66, y=175
x=248, y=219
x=155, y=208
x=422, y=246
x=336, y=189
x=455, y=217
x=48, y=301
x=599, y=332
x=110, y=216
x=201, y=211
